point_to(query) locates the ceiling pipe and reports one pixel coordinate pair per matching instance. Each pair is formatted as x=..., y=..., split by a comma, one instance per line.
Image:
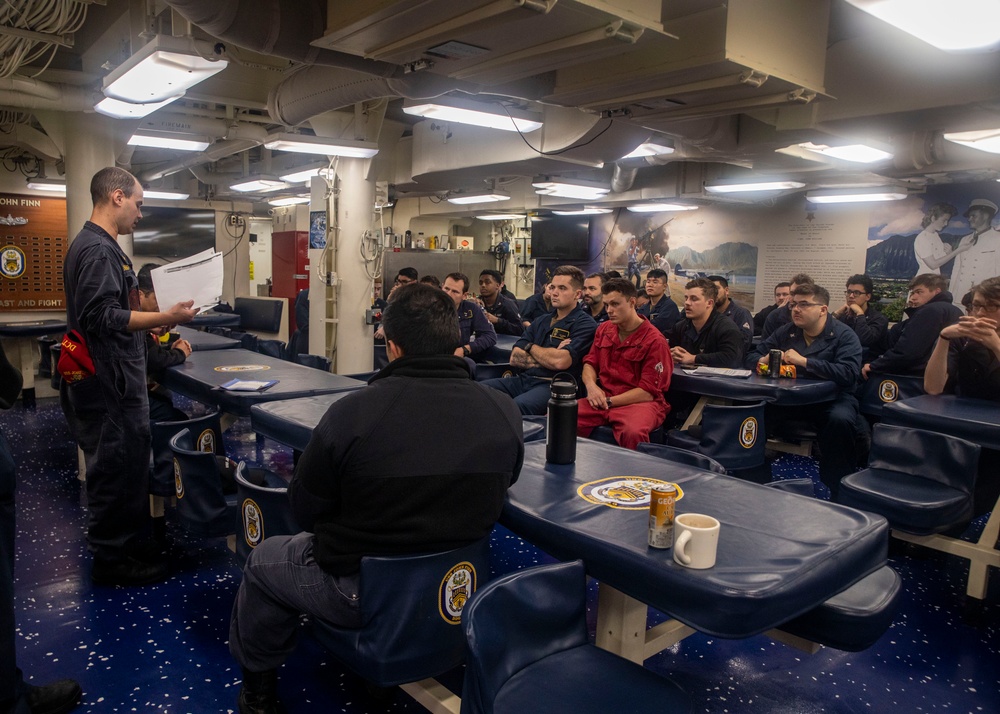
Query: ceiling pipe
x=30, y=86
x=623, y=177
x=66, y=99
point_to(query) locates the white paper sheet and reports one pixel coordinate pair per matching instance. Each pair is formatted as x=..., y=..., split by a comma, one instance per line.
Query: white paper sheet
x=197, y=278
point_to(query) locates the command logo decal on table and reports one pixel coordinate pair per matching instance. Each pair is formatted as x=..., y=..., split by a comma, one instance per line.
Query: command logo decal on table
x=626, y=492
x=456, y=588
x=242, y=368
x=12, y=262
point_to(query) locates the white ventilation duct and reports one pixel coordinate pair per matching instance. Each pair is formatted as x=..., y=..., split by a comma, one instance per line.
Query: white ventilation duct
x=26, y=93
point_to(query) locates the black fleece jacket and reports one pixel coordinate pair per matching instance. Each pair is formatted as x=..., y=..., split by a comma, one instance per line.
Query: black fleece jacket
x=418, y=461
x=910, y=343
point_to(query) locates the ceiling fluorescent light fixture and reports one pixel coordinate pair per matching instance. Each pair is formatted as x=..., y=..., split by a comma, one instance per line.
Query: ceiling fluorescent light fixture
x=581, y=190
x=165, y=195
x=258, y=183
x=753, y=185
x=306, y=144
x=161, y=70
x=462, y=199
x=118, y=109
x=855, y=153
x=887, y=193
x=168, y=140
x=48, y=185
x=985, y=140
x=661, y=207
x=289, y=200
x=304, y=175
x=583, y=212
x=502, y=217
x=467, y=111
x=649, y=148
x=960, y=25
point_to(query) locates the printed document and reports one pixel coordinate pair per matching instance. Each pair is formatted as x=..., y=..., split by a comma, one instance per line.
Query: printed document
x=197, y=278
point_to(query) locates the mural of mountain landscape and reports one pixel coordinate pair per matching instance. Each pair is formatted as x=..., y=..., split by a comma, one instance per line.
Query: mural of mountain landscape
x=739, y=258
x=893, y=258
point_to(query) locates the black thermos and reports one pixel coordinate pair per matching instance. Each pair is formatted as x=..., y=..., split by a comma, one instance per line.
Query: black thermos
x=560, y=435
x=774, y=364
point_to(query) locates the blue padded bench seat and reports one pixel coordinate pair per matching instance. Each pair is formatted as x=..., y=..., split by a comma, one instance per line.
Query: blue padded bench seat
x=854, y=619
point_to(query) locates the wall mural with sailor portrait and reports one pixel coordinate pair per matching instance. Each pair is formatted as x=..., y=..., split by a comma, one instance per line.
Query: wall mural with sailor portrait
x=33, y=243
x=949, y=230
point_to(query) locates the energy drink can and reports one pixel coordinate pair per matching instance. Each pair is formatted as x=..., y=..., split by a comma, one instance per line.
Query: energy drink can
x=774, y=363
x=661, y=516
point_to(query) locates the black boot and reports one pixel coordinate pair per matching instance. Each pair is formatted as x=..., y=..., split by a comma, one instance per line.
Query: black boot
x=258, y=695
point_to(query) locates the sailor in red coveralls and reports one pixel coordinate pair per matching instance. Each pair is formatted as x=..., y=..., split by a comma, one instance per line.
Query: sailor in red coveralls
x=626, y=371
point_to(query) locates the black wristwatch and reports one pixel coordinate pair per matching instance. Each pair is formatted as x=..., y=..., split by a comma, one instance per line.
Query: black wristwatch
x=466, y=351
x=527, y=349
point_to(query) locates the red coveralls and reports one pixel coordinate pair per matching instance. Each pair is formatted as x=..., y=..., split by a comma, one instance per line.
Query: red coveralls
x=643, y=361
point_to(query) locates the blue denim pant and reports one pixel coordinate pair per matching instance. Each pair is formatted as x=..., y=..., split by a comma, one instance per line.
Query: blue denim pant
x=531, y=394
x=282, y=581
x=109, y=417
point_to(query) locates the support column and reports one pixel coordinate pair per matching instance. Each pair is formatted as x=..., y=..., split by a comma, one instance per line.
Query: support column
x=89, y=148
x=348, y=302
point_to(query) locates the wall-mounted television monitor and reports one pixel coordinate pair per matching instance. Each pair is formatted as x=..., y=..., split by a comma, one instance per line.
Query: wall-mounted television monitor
x=561, y=237
x=174, y=232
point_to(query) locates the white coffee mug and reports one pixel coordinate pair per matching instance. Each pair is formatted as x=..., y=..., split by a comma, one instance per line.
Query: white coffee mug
x=696, y=538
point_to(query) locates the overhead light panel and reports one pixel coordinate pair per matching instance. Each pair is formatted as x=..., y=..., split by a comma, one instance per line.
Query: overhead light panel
x=161, y=70
x=306, y=144
x=502, y=217
x=649, y=148
x=582, y=190
x=168, y=140
x=289, y=200
x=480, y=197
x=661, y=207
x=953, y=26
x=126, y=110
x=751, y=185
x=855, y=153
x=303, y=175
x=258, y=183
x=583, y=212
x=48, y=185
x=985, y=140
x=165, y=195
x=467, y=111
x=856, y=195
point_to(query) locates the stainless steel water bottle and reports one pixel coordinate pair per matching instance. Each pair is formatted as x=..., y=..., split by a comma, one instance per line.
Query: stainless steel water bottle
x=560, y=436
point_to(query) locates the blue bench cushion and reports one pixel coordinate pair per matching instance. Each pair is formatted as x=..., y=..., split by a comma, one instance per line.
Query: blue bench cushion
x=854, y=619
x=588, y=679
x=910, y=503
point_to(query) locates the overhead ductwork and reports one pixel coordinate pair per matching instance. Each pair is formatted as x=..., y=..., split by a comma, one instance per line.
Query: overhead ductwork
x=314, y=90
x=26, y=93
x=238, y=139
x=278, y=28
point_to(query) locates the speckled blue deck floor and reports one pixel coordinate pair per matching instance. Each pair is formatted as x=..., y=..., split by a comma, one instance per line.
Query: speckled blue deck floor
x=163, y=648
